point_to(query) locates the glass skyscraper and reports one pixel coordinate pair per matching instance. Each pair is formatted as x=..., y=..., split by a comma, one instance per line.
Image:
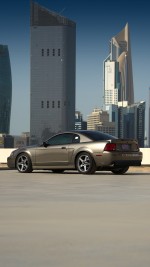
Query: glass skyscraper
x=118, y=77
x=53, y=52
x=5, y=90
x=132, y=122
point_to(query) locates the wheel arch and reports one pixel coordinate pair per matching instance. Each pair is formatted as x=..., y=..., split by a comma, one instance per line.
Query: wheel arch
x=82, y=151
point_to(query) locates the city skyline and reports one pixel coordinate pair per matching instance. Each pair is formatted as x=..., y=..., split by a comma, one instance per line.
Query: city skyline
x=96, y=24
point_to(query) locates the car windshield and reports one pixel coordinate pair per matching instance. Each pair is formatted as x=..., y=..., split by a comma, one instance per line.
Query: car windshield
x=97, y=136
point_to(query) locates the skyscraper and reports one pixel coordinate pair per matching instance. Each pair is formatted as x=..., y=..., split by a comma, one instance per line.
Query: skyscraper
x=80, y=124
x=53, y=52
x=5, y=90
x=132, y=122
x=118, y=77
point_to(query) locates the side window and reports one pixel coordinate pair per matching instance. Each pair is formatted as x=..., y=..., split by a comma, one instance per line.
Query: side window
x=61, y=139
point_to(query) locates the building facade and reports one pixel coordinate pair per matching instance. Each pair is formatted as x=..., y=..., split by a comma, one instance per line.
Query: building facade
x=5, y=90
x=128, y=117
x=53, y=52
x=131, y=122
x=118, y=77
x=97, y=116
x=99, y=120
x=80, y=124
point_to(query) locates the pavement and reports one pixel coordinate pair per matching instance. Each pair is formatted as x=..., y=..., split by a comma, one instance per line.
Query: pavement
x=75, y=220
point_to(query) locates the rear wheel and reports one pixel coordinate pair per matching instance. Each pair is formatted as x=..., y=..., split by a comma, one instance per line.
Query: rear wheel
x=120, y=170
x=85, y=164
x=23, y=163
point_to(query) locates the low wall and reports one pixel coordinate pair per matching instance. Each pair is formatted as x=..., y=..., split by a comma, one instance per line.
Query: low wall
x=5, y=152
x=146, y=156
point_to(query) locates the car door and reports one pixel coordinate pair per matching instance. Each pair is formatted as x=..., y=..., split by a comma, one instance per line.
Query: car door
x=54, y=152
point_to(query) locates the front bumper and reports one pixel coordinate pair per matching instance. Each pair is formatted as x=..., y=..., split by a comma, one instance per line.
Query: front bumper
x=11, y=162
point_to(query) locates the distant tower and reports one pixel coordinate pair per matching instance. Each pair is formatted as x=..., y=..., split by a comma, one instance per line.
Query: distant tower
x=80, y=124
x=5, y=90
x=131, y=122
x=53, y=52
x=118, y=78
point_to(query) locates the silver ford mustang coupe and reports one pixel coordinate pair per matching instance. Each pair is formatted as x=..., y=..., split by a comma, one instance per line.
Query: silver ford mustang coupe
x=85, y=151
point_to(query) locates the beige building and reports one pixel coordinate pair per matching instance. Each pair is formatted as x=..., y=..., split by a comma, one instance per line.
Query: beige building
x=99, y=120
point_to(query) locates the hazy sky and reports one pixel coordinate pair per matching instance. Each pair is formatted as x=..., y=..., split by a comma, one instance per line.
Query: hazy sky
x=97, y=22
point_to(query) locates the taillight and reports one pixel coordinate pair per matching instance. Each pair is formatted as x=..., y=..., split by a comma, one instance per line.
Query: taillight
x=110, y=147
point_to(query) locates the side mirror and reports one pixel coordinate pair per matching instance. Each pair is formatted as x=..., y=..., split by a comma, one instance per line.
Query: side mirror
x=45, y=144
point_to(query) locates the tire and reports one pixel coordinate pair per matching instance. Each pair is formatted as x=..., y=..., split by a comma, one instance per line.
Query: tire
x=85, y=164
x=23, y=163
x=120, y=170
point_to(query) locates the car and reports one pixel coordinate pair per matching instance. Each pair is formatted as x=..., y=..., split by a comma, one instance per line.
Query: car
x=86, y=151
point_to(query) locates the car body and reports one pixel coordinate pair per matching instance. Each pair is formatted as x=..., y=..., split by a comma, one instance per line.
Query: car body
x=84, y=150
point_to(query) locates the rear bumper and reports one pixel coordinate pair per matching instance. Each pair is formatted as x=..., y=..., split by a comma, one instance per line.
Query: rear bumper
x=119, y=159
x=127, y=163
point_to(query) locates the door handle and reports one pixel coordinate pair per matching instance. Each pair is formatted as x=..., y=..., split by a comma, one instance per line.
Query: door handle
x=63, y=147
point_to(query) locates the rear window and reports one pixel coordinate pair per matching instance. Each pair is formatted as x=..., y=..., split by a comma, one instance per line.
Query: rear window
x=98, y=136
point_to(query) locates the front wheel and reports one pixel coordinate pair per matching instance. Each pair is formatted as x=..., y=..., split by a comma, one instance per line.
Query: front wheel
x=23, y=163
x=120, y=170
x=85, y=164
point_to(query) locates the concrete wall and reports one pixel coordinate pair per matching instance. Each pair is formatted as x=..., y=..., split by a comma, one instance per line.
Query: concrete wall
x=146, y=156
x=5, y=152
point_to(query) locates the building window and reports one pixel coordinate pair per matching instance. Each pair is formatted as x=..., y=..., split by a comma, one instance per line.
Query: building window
x=58, y=103
x=48, y=52
x=53, y=52
x=59, y=52
x=53, y=104
x=47, y=104
x=42, y=104
x=42, y=52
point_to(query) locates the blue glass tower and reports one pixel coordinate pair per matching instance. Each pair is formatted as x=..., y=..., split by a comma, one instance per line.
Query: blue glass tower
x=5, y=90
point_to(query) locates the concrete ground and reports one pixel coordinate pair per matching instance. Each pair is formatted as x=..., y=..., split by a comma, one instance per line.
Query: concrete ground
x=70, y=220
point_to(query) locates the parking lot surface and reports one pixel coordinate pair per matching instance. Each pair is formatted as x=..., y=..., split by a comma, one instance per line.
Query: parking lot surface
x=70, y=220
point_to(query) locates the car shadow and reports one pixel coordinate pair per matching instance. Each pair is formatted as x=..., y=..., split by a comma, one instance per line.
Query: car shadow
x=95, y=174
x=74, y=172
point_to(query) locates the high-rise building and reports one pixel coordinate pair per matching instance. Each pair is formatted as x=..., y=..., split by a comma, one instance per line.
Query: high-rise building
x=80, y=124
x=118, y=77
x=53, y=53
x=98, y=115
x=99, y=120
x=131, y=121
x=5, y=90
